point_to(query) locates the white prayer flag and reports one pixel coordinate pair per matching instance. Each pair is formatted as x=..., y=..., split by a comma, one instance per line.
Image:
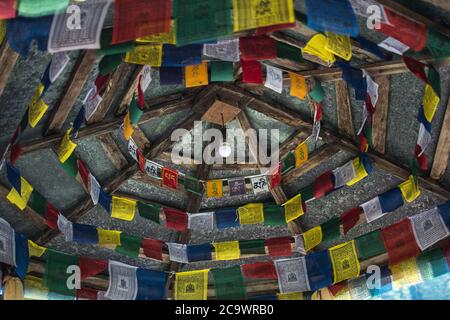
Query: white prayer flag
x=79, y=28
x=146, y=77
x=94, y=189
x=372, y=209
x=344, y=174
x=274, y=79
x=151, y=168
x=132, y=149
x=177, y=252
x=424, y=138
x=91, y=102
x=7, y=243
x=393, y=45
x=299, y=244
x=428, y=228
x=123, y=284
x=201, y=221
x=292, y=275
x=58, y=64
x=226, y=50
x=260, y=184
x=358, y=288
x=372, y=89
x=66, y=227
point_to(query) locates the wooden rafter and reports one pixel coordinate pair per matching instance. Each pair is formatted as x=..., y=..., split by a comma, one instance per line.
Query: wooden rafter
x=112, y=151
x=71, y=92
x=380, y=117
x=8, y=58
x=442, y=152
x=131, y=89
x=344, y=109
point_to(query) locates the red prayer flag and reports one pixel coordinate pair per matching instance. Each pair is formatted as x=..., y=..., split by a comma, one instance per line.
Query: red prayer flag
x=7, y=9
x=319, y=113
x=176, y=220
x=84, y=173
x=416, y=67
x=277, y=27
x=16, y=151
x=259, y=270
x=141, y=98
x=152, y=248
x=350, y=218
x=51, y=216
x=252, y=72
x=257, y=48
x=87, y=293
x=170, y=178
x=363, y=143
x=421, y=158
x=139, y=18
x=336, y=288
x=101, y=82
x=399, y=241
x=141, y=160
x=279, y=246
x=409, y=32
x=275, y=174
x=323, y=185
x=90, y=267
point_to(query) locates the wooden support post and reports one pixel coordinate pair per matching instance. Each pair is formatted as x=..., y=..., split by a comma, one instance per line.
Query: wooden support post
x=71, y=92
x=441, y=155
x=380, y=117
x=344, y=109
x=8, y=58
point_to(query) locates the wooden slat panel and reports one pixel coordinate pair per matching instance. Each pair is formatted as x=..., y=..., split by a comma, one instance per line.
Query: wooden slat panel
x=8, y=58
x=71, y=92
x=441, y=155
x=344, y=109
x=380, y=117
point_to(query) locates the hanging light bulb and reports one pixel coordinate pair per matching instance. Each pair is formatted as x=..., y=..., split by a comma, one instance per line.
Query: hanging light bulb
x=225, y=147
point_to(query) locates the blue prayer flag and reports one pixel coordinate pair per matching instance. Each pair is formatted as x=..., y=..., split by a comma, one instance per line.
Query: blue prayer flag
x=174, y=56
x=385, y=282
x=170, y=76
x=354, y=78
x=391, y=200
x=199, y=252
x=83, y=233
x=227, y=218
x=22, y=255
x=105, y=200
x=421, y=118
x=372, y=47
x=79, y=120
x=444, y=211
x=320, y=272
x=151, y=284
x=13, y=175
x=367, y=162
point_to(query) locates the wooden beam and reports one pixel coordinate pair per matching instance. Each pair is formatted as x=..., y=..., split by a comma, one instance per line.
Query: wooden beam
x=8, y=58
x=112, y=151
x=141, y=140
x=344, y=109
x=441, y=154
x=380, y=117
x=443, y=4
x=125, y=101
x=71, y=92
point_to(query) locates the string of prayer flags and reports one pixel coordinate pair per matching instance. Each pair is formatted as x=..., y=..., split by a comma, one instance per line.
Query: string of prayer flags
x=252, y=213
x=257, y=48
x=274, y=79
x=66, y=33
x=293, y=208
x=135, y=19
x=31, y=8
x=56, y=277
x=229, y=283
x=399, y=241
x=228, y=250
x=323, y=185
x=252, y=14
x=428, y=228
x=8, y=9
x=405, y=273
x=21, y=32
x=196, y=75
x=341, y=19
x=299, y=87
x=278, y=247
x=345, y=261
x=319, y=270
x=202, y=20
x=315, y=50
x=292, y=275
x=214, y=188
x=175, y=219
x=37, y=107
x=227, y=218
x=191, y=285
x=170, y=178
x=7, y=243
x=199, y=252
x=252, y=72
x=149, y=54
x=339, y=45
x=221, y=71
x=438, y=44
x=123, y=282
x=123, y=208
x=174, y=56
x=259, y=270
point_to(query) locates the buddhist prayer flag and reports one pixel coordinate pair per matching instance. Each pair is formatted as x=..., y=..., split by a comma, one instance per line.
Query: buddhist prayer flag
x=259, y=270
x=323, y=185
x=149, y=54
x=257, y=48
x=175, y=219
x=312, y=238
x=20, y=200
x=221, y=71
x=174, y=56
x=177, y=252
x=229, y=283
x=350, y=218
x=225, y=50
x=123, y=208
x=7, y=9
x=290, y=296
x=301, y=154
x=90, y=267
x=196, y=75
x=278, y=247
x=251, y=213
x=331, y=229
x=317, y=94
x=37, y=107
x=164, y=37
x=428, y=228
x=83, y=233
x=20, y=32
x=274, y=79
x=393, y=45
x=432, y=264
x=299, y=87
x=227, y=250
x=169, y=76
x=315, y=50
x=123, y=282
x=319, y=270
x=345, y=261
x=288, y=163
x=214, y=188
x=227, y=218
x=399, y=241
x=293, y=208
x=360, y=172
x=236, y=187
x=292, y=275
x=252, y=246
x=430, y=102
x=7, y=243
x=170, y=178
x=108, y=237
x=410, y=190
x=191, y=285
x=129, y=245
x=152, y=248
x=260, y=184
x=274, y=215
x=201, y=221
x=56, y=278
x=32, y=8
x=35, y=250
x=405, y=273
x=438, y=44
x=252, y=14
x=151, y=284
x=199, y=252
x=192, y=185
x=252, y=72
x=134, y=19
x=66, y=147
x=339, y=45
x=344, y=174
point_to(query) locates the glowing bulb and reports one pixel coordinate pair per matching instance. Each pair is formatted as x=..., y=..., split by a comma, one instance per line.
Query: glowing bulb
x=225, y=150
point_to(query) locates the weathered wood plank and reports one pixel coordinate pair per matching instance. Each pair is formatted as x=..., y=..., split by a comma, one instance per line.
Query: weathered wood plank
x=380, y=117
x=344, y=109
x=125, y=101
x=442, y=153
x=112, y=151
x=8, y=58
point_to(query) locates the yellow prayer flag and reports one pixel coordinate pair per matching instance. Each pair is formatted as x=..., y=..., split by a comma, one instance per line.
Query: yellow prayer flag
x=299, y=87
x=150, y=55
x=360, y=172
x=312, y=237
x=20, y=200
x=290, y=296
x=339, y=45
x=35, y=250
x=228, y=250
x=127, y=127
x=2, y=30
x=168, y=37
x=66, y=147
x=214, y=188
x=410, y=190
x=108, y=237
x=252, y=14
x=191, y=285
x=316, y=48
x=430, y=102
x=34, y=288
x=37, y=107
x=251, y=213
x=123, y=208
x=293, y=208
x=345, y=261
x=343, y=294
x=301, y=154
x=405, y=273
x=196, y=75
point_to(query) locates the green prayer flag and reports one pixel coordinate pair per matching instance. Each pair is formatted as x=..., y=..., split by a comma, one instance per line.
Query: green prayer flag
x=438, y=44
x=367, y=129
x=221, y=71
x=274, y=215
x=71, y=165
x=109, y=63
x=288, y=163
x=370, y=245
x=434, y=80
x=257, y=246
x=40, y=8
x=331, y=229
x=286, y=51
x=135, y=112
x=129, y=245
x=192, y=185
x=432, y=264
x=307, y=193
x=317, y=94
x=56, y=276
x=229, y=283
x=38, y=203
x=201, y=20
x=106, y=48
x=148, y=211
